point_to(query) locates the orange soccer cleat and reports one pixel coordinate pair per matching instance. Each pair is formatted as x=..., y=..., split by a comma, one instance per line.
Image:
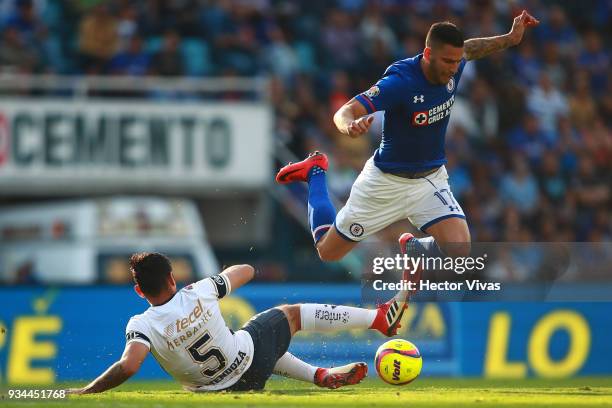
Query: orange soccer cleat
x=299, y=171
x=340, y=376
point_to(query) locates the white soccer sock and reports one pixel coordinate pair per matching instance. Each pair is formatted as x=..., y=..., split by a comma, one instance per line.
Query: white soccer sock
x=318, y=317
x=291, y=366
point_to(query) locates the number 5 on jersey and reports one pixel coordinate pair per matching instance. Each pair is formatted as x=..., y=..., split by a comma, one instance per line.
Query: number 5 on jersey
x=196, y=352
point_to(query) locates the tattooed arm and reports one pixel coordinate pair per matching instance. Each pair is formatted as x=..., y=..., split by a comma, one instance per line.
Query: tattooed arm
x=481, y=47
x=476, y=48
x=118, y=373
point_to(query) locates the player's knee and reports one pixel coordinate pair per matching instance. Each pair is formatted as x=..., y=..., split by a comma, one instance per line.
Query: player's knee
x=296, y=315
x=292, y=312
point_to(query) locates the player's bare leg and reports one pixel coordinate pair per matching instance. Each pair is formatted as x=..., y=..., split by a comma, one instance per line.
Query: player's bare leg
x=449, y=237
x=292, y=312
x=452, y=236
x=332, y=247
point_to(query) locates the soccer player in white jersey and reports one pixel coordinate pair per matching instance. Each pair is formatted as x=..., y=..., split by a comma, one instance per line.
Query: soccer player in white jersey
x=186, y=333
x=406, y=177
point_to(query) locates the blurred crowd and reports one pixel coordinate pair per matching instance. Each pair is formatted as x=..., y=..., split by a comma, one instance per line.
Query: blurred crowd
x=529, y=144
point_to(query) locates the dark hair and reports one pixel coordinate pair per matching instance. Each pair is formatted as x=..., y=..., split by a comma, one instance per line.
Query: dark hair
x=444, y=33
x=150, y=271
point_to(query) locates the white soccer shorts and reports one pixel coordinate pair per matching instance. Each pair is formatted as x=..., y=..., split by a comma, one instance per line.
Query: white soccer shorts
x=379, y=199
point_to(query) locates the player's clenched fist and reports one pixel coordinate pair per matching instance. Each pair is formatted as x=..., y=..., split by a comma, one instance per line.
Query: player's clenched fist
x=360, y=126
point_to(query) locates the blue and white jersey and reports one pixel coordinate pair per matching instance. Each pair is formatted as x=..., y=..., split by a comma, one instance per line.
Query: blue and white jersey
x=416, y=116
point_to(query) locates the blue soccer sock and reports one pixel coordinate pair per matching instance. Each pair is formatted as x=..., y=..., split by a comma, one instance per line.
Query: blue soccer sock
x=321, y=212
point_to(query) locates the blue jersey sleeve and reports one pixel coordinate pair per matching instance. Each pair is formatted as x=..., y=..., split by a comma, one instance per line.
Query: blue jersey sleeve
x=386, y=94
x=461, y=66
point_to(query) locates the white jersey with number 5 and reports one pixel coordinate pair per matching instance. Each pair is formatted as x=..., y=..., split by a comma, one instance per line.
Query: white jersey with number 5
x=190, y=340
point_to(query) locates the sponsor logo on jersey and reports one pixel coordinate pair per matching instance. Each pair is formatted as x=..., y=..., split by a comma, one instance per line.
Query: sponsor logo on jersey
x=198, y=310
x=188, y=333
x=419, y=118
x=418, y=98
x=169, y=331
x=433, y=115
x=373, y=92
x=356, y=230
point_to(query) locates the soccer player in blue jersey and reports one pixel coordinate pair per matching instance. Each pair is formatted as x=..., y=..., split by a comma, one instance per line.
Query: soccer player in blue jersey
x=406, y=177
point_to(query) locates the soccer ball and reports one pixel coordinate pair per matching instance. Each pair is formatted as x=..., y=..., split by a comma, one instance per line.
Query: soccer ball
x=398, y=362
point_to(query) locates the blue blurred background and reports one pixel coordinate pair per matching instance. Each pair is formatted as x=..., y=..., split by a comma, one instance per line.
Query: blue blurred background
x=52, y=339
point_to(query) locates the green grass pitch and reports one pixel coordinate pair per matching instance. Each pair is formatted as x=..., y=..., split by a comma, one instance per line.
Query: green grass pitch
x=424, y=392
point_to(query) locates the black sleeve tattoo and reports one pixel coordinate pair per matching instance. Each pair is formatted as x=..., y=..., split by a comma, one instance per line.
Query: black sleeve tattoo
x=475, y=48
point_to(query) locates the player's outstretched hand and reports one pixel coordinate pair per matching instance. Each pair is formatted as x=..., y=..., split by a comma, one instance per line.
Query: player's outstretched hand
x=519, y=24
x=360, y=126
